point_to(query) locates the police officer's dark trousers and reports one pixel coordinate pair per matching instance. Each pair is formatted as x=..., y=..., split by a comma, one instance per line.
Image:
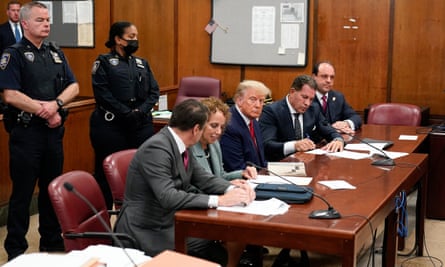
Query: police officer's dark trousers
x=36, y=155
x=111, y=136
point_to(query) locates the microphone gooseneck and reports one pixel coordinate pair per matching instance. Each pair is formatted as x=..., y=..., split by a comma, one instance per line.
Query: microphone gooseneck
x=330, y=213
x=386, y=161
x=71, y=189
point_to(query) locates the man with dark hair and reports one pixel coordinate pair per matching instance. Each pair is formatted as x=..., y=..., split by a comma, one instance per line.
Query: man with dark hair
x=36, y=82
x=289, y=124
x=159, y=182
x=332, y=103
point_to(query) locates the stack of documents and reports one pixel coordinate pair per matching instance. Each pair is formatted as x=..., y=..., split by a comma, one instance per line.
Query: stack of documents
x=268, y=207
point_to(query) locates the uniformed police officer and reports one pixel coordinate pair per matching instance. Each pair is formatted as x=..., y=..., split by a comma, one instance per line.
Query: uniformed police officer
x=36, y=82
x=125, y=91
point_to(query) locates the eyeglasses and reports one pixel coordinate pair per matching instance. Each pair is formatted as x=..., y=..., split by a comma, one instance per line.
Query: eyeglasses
x=252, y=100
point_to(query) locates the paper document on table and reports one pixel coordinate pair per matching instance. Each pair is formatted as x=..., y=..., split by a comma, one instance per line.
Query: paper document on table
x=365, y=147
x=337, y=184
x=349, y=154
x=408, y=137
x=287, y=168
x=272, y=179
x=163, y=114
x=268, y=207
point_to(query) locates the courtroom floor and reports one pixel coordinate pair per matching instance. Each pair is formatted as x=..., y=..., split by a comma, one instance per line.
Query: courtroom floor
x=434, y=246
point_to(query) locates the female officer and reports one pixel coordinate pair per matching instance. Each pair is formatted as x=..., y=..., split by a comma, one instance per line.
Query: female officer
x=125, y=91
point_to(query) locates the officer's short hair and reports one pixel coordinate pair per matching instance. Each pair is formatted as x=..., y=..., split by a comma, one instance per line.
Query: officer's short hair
x=187, y=114
x=25, y=10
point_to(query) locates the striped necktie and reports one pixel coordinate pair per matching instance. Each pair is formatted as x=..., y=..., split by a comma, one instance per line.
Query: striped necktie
x=324, y=103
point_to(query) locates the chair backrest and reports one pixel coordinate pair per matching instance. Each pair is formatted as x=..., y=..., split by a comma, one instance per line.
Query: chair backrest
x=198, y=87
x=115, y=168
x=73, y=214
x=394, y=114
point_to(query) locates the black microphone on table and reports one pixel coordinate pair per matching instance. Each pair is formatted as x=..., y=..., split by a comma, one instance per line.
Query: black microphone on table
x=71, y=189
x=329, y=213
x=386, y=161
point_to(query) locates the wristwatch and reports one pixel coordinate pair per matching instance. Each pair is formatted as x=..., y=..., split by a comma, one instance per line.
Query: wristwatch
x=59, y=102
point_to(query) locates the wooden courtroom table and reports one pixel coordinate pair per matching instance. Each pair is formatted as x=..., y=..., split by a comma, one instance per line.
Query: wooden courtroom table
x=346, y=237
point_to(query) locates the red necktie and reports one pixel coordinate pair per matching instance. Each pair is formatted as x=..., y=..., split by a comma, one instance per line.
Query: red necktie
x=185, y=158
x=324, y=104
x=252, y=132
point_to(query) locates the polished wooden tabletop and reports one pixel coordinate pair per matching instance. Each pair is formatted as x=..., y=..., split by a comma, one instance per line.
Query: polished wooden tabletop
x=372, y=200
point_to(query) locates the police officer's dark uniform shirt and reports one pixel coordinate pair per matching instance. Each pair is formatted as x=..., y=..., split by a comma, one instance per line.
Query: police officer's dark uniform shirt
x=120, y=85
x=35, y=150
x=41, y=74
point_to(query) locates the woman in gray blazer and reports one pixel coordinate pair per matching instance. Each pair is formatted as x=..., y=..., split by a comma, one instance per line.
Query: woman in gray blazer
x=208, y=150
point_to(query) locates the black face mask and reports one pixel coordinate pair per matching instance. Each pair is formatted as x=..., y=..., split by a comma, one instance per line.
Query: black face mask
x=132, y=46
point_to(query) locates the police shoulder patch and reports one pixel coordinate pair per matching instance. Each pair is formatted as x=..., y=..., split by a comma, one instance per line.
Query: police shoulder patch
x=4, y=60
x=96, y=65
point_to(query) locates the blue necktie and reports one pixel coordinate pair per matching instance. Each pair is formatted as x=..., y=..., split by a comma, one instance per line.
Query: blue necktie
x=18, y=37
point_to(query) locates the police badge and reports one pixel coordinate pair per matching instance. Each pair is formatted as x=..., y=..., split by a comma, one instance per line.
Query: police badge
x=29, y=56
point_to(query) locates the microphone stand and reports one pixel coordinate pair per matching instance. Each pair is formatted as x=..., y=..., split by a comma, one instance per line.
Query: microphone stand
x=330, y=213
x=71, y=189
x=386, y=161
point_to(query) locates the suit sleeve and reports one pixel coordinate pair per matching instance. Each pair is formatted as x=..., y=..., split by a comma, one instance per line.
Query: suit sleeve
x=269, y=129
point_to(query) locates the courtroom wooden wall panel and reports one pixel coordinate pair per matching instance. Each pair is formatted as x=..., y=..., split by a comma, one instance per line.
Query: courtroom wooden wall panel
x=419, y=54
x=155, y=21
x=353, y=35
x=5, y=182
x=194, y=46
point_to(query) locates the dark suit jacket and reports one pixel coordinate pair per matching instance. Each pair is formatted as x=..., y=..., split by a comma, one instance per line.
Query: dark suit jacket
x=277, y=127
x=338, y=109
x=156, y=187
x=7, y=37
x=237, y=146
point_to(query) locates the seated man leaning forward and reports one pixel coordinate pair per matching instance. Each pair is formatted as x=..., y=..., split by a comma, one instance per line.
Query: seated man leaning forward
x=158, y=180
x=287, y=125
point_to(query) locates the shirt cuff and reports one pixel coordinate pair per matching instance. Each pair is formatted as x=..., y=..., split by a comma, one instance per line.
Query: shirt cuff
x=289, y=148
x=213, y=201
x=351, y=124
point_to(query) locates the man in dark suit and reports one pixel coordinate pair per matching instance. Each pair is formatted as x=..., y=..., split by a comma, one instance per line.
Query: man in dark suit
x=158, y=184
x=7, y=36
x=332, y=103
x=290, y=124
x=242, y=140
x=7, y=29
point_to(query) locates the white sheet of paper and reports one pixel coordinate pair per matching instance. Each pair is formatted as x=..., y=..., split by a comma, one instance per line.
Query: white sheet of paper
x=268, y=207
x=337, y=184
x=408, y=137
x=350, y=155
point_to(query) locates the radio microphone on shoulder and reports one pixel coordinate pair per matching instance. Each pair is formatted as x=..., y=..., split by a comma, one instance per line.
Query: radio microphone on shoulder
x=329, y=213
x=386, y=161
x=69, y=187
